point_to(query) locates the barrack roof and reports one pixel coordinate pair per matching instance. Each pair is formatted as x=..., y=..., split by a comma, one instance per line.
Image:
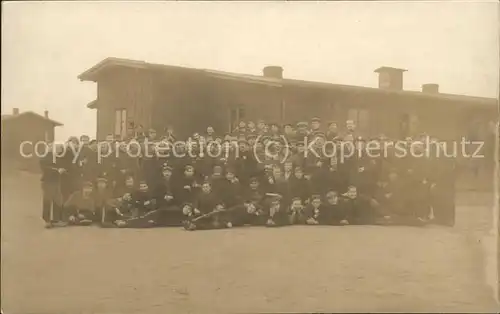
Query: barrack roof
x=92, y=74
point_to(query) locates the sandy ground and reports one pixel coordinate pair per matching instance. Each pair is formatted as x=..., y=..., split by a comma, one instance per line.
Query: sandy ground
x=246, y=270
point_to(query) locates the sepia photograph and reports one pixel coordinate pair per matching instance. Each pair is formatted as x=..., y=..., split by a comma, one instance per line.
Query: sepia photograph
x=250, y=157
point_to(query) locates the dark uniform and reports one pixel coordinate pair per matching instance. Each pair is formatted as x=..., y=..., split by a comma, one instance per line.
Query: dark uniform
x=52, y=202
x=144, y=210
x=357, y=207
x=103, y=196
x=71, y=178
x=276, y=213
x=332, y=211
x=186, y=186
x=88, y=164
x=332, y=133
x=314, y=214
x=299, y=186
x=297, y=212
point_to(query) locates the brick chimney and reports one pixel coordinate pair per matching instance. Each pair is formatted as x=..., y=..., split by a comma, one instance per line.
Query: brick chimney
x=430, y=88
x=46, y=114
x=273, y=71
x=390, y=78
x=15, y=111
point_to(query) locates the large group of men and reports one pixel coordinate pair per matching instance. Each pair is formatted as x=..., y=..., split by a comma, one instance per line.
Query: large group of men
x=259, y=174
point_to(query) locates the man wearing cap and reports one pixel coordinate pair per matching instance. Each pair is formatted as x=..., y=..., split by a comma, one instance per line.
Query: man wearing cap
x=251, y=138
x=247, y=166
x=84, y=153
x=103, y=198
x=332, y=133
x=170, y=213
x=186, y=186
x=302, y=131
x=315, y=125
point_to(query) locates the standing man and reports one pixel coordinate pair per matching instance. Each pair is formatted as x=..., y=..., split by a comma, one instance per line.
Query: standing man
x=350, y=132
x=210, y=136
x=52, y=209
x=332, y=132
x=71, y=177
x=315, y=125
x=302, y=131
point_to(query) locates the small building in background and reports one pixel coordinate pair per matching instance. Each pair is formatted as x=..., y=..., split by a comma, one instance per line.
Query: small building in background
x=25, y=127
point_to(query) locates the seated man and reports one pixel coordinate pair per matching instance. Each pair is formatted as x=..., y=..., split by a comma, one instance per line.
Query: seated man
x=207, y=199
x=336, y=214
x=316, y=213
x=230, y=190
x=248, y=213
x=357, y=207
x=121, y=206
x=170, y=213
x=103, y=201
x=143, y=209
x=80, y=207
x=299, y=185
x=215, y=219
x=276, y=214
x=297, y=213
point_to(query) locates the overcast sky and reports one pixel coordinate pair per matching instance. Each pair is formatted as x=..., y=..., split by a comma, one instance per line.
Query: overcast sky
x=46, y=45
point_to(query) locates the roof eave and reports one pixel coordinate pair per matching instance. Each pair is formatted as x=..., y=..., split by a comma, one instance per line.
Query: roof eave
x=92, y=74
x=93, y=104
